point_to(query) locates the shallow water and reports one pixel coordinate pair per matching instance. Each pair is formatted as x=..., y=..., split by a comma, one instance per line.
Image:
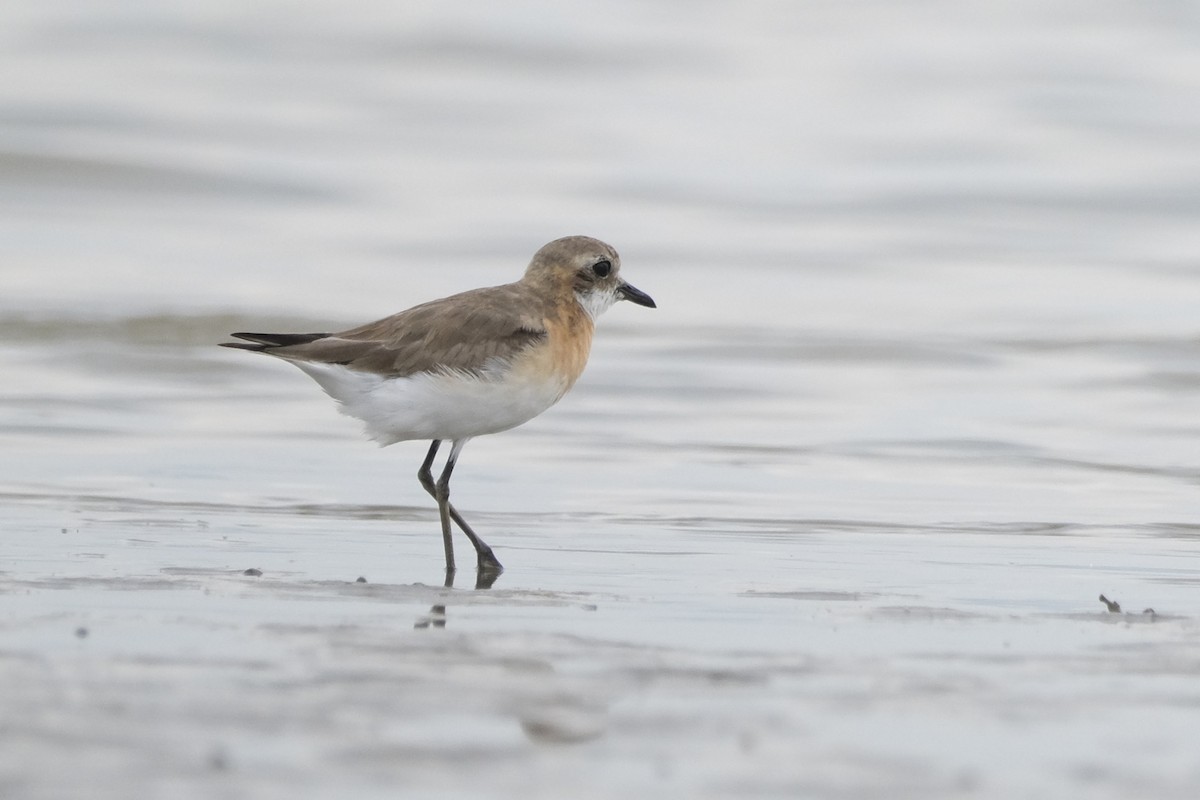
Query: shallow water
x=830, y=522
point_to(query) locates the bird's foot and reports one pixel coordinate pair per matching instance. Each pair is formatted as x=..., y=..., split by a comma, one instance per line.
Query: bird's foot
x=488, y=568
x=486, y=559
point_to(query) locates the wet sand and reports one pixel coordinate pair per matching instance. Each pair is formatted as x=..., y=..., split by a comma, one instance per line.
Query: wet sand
x=696, y=662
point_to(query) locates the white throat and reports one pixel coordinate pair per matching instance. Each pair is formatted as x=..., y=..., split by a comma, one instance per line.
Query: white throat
x=597, y=301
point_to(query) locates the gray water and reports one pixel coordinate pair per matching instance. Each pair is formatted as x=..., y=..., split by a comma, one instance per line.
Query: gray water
x=832, y=521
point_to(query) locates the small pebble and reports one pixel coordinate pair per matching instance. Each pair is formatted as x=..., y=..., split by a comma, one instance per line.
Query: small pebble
x=253, y=572
x=81, y=633
x=361, y=579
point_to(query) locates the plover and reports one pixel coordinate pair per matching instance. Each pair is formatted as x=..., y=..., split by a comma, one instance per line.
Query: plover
x=467, y=365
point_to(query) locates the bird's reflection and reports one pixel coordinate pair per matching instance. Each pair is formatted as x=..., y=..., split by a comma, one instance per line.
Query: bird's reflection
x=484, y=579
x=436, y=618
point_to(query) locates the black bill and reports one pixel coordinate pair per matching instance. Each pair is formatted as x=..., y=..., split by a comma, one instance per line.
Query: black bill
x=634, y=295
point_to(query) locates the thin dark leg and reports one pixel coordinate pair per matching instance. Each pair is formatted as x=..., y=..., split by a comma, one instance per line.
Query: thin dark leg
x=486, y=559
x=426, y=479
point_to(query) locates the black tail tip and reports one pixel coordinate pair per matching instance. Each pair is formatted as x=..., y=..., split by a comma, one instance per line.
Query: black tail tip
x=258, y=342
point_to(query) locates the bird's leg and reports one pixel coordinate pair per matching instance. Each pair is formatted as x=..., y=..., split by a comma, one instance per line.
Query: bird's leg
x=486, y=559
x=426, y=479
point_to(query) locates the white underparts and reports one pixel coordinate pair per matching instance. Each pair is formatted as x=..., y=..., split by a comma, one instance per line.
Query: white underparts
x=437, y=405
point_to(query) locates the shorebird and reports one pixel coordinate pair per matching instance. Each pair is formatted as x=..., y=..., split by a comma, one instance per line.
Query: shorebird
x=467, y=365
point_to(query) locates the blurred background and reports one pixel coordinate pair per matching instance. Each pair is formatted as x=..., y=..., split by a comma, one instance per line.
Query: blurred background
x=925, y=234
x=831, y=521
x=959, y=166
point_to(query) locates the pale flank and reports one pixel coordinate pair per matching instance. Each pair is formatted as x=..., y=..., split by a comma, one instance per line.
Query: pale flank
x=438, y=405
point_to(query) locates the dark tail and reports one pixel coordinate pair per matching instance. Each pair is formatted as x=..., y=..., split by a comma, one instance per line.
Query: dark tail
x=262, y=342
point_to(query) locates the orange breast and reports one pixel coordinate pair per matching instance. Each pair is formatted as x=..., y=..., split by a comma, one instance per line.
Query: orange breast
x=559, y=361
x=570, y=343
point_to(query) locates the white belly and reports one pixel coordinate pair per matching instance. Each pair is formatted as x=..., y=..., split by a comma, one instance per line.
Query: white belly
x=436, y=405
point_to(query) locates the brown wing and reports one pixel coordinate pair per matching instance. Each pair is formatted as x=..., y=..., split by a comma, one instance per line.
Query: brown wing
x=462, y=332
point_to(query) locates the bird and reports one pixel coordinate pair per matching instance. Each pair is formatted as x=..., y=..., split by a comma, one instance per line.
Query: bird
x=471, y=364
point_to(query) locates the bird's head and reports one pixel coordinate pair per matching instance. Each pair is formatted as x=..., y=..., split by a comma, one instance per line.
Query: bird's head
x=590, y=268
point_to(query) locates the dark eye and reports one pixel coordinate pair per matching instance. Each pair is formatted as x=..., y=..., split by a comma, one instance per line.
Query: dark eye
x=602, y=268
